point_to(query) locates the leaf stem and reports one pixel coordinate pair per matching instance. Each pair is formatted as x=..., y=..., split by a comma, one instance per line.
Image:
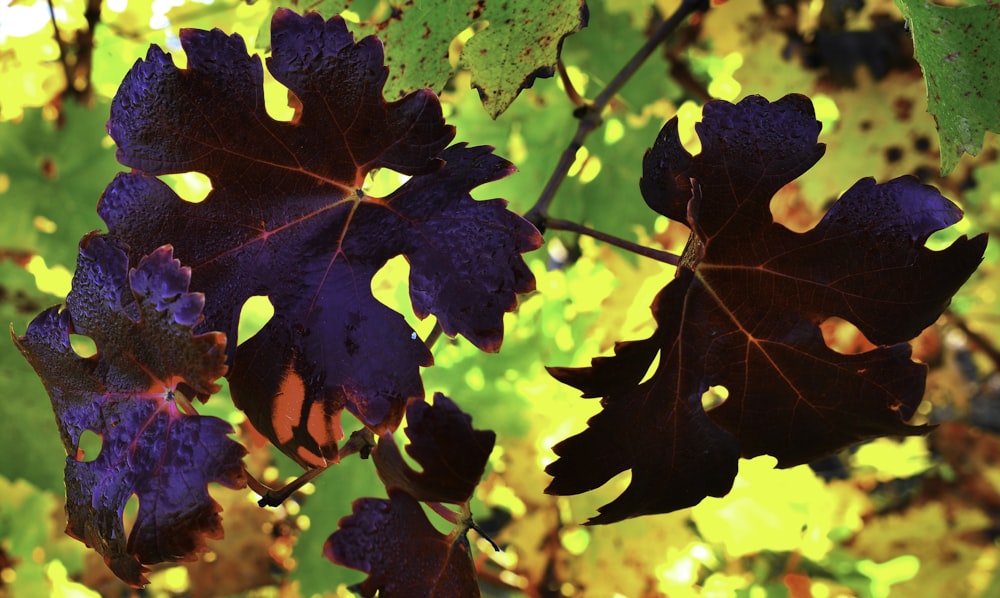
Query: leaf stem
x=574, y=95
x=443, y=511
x=433, y=336
x=590, y=114
x=361, y=441
x=660, y=256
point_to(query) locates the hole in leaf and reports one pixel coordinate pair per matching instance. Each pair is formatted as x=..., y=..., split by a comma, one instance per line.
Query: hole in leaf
x=279, y=101
x=713, y=397
x=129, y=514
x=83, y=346
x=652, y=368
x=844, y=337
x=256, y=313
x=89, y=446
x=381, y=182
x=192, y=187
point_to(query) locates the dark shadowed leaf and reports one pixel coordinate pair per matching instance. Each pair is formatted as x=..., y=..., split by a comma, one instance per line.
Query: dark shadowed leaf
x=131, y=393
x=394, y=543
x=451, y=453
x=744, y=311
x=288, y=218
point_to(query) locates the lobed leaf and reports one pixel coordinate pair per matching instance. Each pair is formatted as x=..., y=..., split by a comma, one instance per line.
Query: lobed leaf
x=451, y=453
x=127, y=393
x=958, y=49
x=505, y=45
x=744, y=311
x=522, y=42
x=288, y=217
x=393, y=542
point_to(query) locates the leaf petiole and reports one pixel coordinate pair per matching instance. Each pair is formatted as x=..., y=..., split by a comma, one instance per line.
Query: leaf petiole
x=361, y=441
x=660, y=256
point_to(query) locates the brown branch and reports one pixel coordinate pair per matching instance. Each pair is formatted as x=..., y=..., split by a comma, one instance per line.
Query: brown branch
x=78, y=67
x=63, y=52
x=590, y=114
x=981, y=342
x=656, y=254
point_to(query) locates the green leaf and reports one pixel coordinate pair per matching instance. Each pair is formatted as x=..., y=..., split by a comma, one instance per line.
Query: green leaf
x=56, y=174
x=31, y=534
x=522, y=42
x=959, y=50
x=27, y=427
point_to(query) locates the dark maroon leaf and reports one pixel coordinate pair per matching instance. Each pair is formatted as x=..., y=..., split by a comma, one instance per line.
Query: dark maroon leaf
x=450, y=452
x=744, y=311
x=131, y=394
x=394, y=543
x=287, y=218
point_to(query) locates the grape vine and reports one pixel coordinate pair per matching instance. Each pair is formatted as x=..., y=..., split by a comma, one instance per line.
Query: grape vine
x=288, y=217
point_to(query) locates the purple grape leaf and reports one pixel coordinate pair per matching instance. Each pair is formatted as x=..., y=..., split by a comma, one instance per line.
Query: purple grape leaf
x=131, y=394
x=393, y=542
x=287, y=217
x=744, y=311
x=443, y=442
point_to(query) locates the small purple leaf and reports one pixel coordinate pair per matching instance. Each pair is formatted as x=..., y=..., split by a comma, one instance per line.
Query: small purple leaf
x=394, y=543
x=451, y=453
x=130, y=394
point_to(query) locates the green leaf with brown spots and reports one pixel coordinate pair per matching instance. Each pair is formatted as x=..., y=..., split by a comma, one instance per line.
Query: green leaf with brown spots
x=522, y=42
x=959, y=51
x=516, y=42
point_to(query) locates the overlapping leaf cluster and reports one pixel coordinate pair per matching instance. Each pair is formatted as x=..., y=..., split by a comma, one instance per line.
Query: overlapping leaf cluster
x=288, y=217
x=391, y=539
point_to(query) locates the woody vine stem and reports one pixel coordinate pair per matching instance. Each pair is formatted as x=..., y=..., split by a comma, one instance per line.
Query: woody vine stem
x=590, y=117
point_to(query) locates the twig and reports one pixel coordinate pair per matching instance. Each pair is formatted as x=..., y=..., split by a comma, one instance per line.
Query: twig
x=434, y=335
x=79, y=68
x=656, y=254
x=63, y=54
x=590, y=115
x=984, y=344
x=361, y=441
